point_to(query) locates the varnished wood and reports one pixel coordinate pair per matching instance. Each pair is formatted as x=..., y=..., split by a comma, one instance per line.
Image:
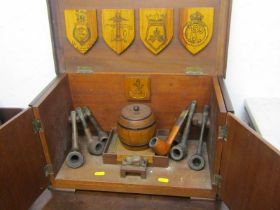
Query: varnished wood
x=196, y=28
x=118, y=28
x=81, y=28
x=225, y=94
x=54, y=200
x=173, y=60
x=21, y=163
x=182, y=180
x=156, y=28
x=52, y=108
x=250, y=169
x=217, y=118
x=170, y=94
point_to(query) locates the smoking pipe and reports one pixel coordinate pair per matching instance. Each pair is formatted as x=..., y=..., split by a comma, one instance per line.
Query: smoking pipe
x=74, y=159
x=162, y=147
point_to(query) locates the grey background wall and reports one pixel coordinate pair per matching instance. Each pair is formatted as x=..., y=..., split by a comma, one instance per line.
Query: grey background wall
x=26, y=62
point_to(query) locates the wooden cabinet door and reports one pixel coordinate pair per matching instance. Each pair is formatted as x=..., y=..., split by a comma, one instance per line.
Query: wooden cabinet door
x=22, y=162
x=250, y=170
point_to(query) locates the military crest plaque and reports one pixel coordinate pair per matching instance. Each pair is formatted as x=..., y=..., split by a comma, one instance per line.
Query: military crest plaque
x=81, y=28
x=118, y=28
x=196, y=28
x=156, y=28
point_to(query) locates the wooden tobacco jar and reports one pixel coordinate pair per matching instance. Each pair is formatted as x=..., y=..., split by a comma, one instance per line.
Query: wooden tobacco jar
x=136, y=126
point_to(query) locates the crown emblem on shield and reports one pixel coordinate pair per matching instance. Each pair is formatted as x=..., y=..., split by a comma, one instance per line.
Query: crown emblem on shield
x=197, y=16
x=156, y=19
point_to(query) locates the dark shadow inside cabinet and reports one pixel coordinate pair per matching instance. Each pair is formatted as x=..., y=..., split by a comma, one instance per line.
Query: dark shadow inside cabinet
x=104, y=94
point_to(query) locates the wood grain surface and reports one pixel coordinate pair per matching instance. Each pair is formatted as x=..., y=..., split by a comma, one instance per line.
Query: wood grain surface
x=250, y=169
x=22, y=162
x=182, y=180
x=7, y=113
x=175, y=59
x=104, y=94
x=52, y=107
x=54, y=200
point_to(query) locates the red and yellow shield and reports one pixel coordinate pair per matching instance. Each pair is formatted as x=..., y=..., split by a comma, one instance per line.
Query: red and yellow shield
x=81, y=28
x=156, y=28
x=118, y=28
x=196, y=28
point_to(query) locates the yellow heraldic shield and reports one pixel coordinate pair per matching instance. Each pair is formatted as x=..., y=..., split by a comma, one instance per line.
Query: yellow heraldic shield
x=118, y=28
x=81, y=28
x=196, y=28
x=156, y=28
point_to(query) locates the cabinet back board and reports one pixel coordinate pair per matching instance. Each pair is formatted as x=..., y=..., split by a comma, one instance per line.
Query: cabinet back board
x=137, y=58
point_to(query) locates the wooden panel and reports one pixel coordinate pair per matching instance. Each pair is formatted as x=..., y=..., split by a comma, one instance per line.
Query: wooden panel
x=8, y=113
x=250, y=169
x=170, y=94
x=175, y=58
x=52, y=107
x=182, y=180
x=21, y=163
x=217, y=118
x=118, y=201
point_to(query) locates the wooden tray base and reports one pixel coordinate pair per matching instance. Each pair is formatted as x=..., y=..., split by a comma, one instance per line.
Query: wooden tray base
x=182, y=181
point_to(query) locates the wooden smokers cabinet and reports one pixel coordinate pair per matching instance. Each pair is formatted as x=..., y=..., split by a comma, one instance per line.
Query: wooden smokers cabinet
x=241, y=168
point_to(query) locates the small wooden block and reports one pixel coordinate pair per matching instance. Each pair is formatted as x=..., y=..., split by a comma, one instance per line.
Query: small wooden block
x=142, y=171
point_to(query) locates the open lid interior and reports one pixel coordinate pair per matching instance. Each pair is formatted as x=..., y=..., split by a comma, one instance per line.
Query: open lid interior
x=175, y=58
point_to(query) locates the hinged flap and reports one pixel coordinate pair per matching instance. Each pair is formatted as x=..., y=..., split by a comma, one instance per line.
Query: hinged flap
x=22, y=161
x=175, y=58
x=250, y=169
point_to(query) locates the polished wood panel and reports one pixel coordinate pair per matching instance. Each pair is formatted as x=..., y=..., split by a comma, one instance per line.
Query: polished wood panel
x=52, y=107
x=250, y=169
x=137, y=58
x=22, y=162
x=104, y=94
x=53, y=200
x=182, y=180
x=217, y=118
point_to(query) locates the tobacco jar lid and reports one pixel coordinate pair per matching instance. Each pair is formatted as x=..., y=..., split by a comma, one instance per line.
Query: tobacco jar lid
x=136, y=112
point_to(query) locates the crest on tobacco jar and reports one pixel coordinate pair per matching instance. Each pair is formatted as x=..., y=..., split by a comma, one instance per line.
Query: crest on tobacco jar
x=196, y=28
x=81, y=28
x=118, y=28
x=156, y=28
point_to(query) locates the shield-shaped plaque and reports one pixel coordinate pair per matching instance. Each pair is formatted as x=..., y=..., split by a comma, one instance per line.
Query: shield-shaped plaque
x=118, y=28
x=196, y=28
x=156, y=28
x=81, y=28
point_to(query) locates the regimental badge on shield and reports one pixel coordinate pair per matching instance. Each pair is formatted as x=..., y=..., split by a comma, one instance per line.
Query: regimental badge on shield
x=196, y=28
x=156, y=28
x=118, y=28
x=81, y=28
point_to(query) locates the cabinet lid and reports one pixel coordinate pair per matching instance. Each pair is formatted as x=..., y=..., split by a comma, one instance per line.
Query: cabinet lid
x=175, y=58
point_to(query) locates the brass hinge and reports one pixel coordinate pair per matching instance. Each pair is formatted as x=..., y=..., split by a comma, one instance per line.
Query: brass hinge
x=217, y=180
x=84, y=69
x=223, y=132
x=194, y=71
x=37, y=126
x=48, y=169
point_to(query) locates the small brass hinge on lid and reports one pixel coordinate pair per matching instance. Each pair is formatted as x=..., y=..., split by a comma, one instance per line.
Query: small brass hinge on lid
x=37, y=126
x=217, y=180
x=194, y=71
x=48, y=169
x=223, y=132
x=84, y=69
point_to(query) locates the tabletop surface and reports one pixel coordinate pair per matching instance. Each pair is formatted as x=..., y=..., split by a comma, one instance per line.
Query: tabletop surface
x=264, y=114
